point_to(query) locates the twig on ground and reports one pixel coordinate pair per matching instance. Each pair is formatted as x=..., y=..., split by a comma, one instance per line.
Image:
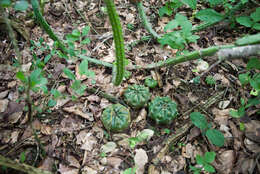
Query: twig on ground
x=20, y=167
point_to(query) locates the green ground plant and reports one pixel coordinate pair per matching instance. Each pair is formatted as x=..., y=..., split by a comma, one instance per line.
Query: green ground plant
x=204, y=161
x=249, y=79
x=116, y=118
x=150, y=82
x=214, y=136
x=210, y=80
x=162, y=110
x=252, y=21
x=137, y=95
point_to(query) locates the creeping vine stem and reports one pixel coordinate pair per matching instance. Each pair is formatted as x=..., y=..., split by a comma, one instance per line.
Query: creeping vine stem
x=119, y=42
x=45, y=25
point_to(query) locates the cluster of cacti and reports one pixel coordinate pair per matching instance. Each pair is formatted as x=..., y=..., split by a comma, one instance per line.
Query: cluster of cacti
x=116, y=118
x=137, y=95
x=163, y=110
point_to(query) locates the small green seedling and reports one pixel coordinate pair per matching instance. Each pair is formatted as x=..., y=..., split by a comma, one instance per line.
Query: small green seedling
x=254, y=81
x=214, y=136
x=252, y=21
x=210, y=80
x=130, y=171
x=150, y=82
x=204, y=161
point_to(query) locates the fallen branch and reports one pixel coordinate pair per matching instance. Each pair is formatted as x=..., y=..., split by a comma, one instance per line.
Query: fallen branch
x=224, y=52
x=20, y=167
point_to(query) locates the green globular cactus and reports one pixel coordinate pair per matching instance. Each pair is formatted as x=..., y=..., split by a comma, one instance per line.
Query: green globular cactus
x=137, y=95
x=163, y=110
x=116, y=118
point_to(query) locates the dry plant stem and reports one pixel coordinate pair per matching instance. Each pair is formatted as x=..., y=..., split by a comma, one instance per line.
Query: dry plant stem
x=106, y=96
x=20, y=167
x=18, y=27
x=11, y=35
x=145, y=20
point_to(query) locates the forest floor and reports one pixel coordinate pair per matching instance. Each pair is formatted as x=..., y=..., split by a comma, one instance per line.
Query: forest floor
x=72, y=134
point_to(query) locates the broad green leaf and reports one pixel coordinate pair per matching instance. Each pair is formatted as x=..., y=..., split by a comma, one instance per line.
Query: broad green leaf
x=5, y=3
x=85, y=31
x=199, y=120
x=200, y=160
x=56, y=94
x=235, y=113
x=71, y=38
x=165, y=11
x=248, y=40
x=47, y=58
x=145, y=135
x=209, y=168
x=52, y=103
x=256, y=26
x=133, y=142
x=255, y=81
x=90, y=74
x=22, y=157
x=21, y=5
x=20, y=75
x=171, y=25
x=215, y=137
x=209, y=157
x=85, y=41
x=76, y=33
x=209, y=15
x=191, y=3
x=130, y=171
x=34, y=77
x=256, y=15
x=254, y=63
x=244, y=78
x=83, y=67
x=245, y=20
x=253, y=102
x=69, y=74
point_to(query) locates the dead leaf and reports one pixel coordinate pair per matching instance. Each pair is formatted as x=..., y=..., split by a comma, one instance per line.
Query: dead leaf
x=88, y=170
x=252, y=146
x=3, y=105
x=114, y=162
x=77, y=109
x=223, y=104
x=3, y=94
x=226, y=159
x=67, y=170
x=73, y=161
x=108, y=147
x=70, y=125
x=86, y=140
x=14, y=136
x=140, y=160
x=47, y=164
x=46, y=129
